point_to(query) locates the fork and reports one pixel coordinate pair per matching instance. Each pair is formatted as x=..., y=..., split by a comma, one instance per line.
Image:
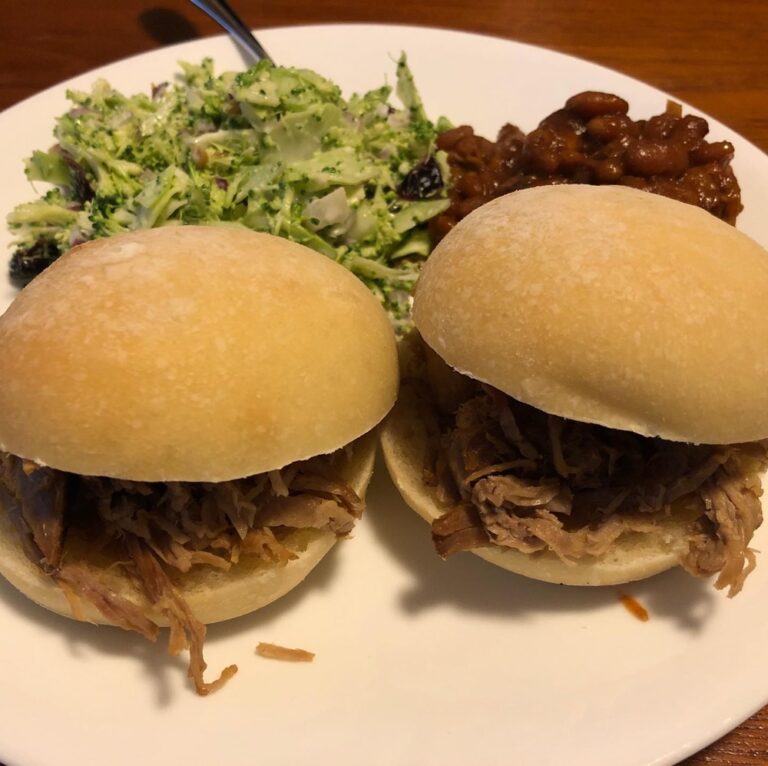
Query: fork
x=222, y=14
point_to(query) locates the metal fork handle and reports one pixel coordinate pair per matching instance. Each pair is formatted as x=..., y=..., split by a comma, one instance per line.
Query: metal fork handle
x=222, y=14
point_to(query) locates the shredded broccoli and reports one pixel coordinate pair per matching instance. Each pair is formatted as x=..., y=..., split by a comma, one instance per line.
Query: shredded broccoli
x=275, y=149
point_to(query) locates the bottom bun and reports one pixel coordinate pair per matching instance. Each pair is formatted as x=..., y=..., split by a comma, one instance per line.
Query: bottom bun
x=405, y=445
x=213, y=595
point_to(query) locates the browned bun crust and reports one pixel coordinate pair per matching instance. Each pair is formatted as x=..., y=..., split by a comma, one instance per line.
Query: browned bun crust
x=192, y=353
x=606, y=305
x=404, y=441
x=212, y=595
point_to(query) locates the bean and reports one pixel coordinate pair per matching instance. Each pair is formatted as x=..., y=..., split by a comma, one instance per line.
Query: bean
x=690, y=128
x=448, y=140
x=651, y=158
x=510, y=135
x=608, y=127
x=470, y=184
x=660, y=127
x=607, y=171
x=564, y=122
x=593, y=103
x=717, y=151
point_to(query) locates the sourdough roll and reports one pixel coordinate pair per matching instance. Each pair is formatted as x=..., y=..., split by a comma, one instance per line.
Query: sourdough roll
x=191, y=353
x=607, y=305
x=187, y=422
x=587, y=398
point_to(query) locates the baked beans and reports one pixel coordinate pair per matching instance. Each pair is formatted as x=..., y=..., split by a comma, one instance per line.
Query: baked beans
x=592, y=140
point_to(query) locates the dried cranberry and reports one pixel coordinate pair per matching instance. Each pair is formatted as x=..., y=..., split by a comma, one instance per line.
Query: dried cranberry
x=422, y=181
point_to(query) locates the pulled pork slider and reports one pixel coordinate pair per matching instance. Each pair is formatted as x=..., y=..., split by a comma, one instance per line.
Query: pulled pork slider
x=586, y=397
x=185, y=425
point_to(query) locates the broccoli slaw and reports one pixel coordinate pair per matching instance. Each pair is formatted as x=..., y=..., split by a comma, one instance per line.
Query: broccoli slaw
x=274, y=149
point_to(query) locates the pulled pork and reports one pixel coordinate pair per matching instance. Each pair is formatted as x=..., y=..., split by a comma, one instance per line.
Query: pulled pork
x=513, y=476
x=277, y=652
x=156, y=531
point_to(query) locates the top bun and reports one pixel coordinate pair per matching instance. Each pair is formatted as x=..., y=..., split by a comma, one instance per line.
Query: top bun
x=606, y=305
x=191, y=353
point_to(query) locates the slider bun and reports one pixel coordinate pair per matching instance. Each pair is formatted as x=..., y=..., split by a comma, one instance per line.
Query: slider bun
x=405, y=446
x=606, y=305
x=212, y=595
x=197, y=354
x=191, y=353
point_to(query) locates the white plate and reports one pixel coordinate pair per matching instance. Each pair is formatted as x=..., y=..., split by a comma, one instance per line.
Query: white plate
x=419, y=661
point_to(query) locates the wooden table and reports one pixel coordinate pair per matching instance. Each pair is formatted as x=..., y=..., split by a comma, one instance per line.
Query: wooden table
x=711, y=54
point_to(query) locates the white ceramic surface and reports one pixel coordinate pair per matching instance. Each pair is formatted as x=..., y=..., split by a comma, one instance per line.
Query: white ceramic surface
x=419, y=661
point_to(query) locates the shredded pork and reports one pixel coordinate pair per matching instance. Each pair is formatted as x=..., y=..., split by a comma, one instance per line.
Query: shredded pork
x=277, y=652
x=518, y=478
x=157, y=531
